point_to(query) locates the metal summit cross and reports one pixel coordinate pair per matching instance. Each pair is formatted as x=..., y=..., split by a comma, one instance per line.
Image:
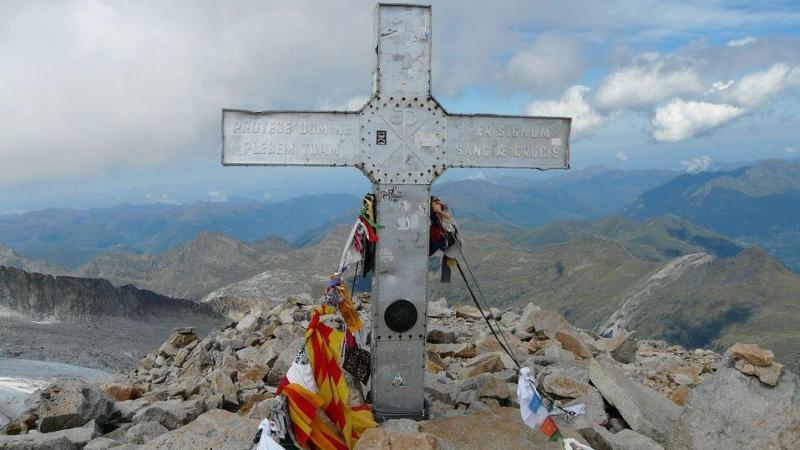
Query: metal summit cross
x=402, y=140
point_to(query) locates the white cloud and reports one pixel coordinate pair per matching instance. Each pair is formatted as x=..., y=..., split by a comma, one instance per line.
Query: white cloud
x=548, y=62
x=697, y=165
x=573, y=103
x=644, y=83
x=760, y=86
x=679, y=119
x=621, y=156
x=791, y=150
x=741, y=42
x=217, y=197
x=162, y=199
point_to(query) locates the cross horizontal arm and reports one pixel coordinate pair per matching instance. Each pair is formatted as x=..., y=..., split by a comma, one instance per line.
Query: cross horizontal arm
x=289, y=138
x=484, y=140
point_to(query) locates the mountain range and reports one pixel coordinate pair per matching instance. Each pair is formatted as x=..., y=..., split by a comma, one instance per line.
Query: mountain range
x=755, y=205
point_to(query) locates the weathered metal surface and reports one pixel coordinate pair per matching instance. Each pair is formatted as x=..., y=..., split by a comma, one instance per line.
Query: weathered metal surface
x=403, y=49
x=402, y=139
x=277, y=138
x=507, y=141
x=401, y=268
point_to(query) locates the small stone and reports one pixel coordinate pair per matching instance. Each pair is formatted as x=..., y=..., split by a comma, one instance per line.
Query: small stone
x=434, y=362
x=770, y=374
x=753, y=354
x=680, y=394
x=745, y=367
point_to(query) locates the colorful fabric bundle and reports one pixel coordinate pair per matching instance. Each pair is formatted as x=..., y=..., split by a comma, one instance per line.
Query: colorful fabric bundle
x=338, y=296
x=533, y=411
x=360, y=246
x=322, y=346
x=443, y=236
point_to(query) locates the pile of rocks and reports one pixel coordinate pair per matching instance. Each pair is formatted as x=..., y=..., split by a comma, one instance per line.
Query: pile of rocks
x=211, y=392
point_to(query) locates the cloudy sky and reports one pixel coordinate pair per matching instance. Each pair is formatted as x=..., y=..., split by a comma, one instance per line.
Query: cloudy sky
x=108, y=101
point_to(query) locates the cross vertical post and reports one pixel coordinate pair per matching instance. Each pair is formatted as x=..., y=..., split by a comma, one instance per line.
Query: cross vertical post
x=402, y=139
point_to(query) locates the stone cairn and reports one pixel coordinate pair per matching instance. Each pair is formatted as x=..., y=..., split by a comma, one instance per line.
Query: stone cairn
x=212, y=392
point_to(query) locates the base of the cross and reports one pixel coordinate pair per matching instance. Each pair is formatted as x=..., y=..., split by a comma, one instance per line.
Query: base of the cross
x=400, y=301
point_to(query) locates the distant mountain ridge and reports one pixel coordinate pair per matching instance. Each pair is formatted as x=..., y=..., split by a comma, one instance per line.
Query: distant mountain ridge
x=755, y=205
x=70, y=238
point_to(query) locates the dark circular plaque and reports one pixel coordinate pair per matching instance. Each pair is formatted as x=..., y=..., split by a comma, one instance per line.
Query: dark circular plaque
x=400, y=316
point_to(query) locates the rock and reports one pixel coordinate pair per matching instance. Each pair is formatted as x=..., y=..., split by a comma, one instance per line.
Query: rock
x=468, y=312
x=525, y=328
x=401, y=425
x=261, y=409
x=465, y=350
x=767, y=374
x=642, y=408
x=101, y=443
x=595, y=412
x=732, y=410
x=489, y=386
x=565, y=386
x=437, y=334
x=548, y=322
x=753, y=354
x=622, y=346
x=217, y=429
x=434, y=363
x=181, y=340
x=497, y=429
x=183, y=330
x=221, y=383
x=439, y=309
x=441, y=389
x=68, y=404
x=573, y=343
x=122, y=391
x=601, y=439
x=508, y=319
x=73, y=438
x=488, y=343
x=129, y=408
x=157, y=414
x=248, y=322
x=486, y=363
x=144, y=432
x=685, y=375
x=287, y=316
x=387, y=439
x=680, y=394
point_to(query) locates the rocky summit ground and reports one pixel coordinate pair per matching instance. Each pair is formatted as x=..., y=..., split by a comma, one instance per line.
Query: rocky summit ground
x=211, y=392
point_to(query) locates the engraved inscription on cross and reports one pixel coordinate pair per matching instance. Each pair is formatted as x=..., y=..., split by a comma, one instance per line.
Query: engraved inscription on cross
x=402, y=139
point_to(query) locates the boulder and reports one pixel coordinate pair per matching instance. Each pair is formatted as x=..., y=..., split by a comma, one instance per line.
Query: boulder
x=465, y=350
x=752, y=353
x=525, y=328
x=221, y=383
x=486, y=363
x=767, y=374
x=468, y=312
x=601, y=439
x=401, y=425
x=144, y=432
x=563, y=385
x=733, y=410
x=217, y=429
x=434, y=362
x=680, y=394
x=490, y=386
x=487, y=343
x=387, y=439
x=437, y=334
x=595, y=414
x=440, y=388
x=74, y=438
x=642, y=408
x=573, y=343
x=122, y=391
x=70, y=403
x=498, y=428
x=101, y=443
